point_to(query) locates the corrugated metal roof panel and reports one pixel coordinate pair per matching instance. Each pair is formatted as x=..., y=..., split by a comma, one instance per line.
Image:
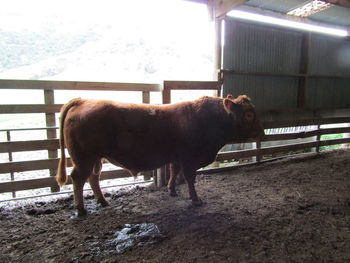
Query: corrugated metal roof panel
x=334, y=15
x=281, y=6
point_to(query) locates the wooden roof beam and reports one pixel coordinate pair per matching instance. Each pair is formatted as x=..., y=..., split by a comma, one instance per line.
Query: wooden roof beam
x=219, y=8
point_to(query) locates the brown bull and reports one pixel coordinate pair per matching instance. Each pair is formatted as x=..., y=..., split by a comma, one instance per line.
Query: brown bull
x=144, y=137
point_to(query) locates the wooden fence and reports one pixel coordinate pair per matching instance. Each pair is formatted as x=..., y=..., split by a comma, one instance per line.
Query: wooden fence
x=50, y=144
x=271, y=119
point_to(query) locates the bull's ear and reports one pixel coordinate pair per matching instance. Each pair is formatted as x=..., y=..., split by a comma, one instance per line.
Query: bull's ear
x=229, y=106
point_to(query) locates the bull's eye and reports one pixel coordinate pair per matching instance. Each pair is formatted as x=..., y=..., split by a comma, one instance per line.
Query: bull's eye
x=249, y=116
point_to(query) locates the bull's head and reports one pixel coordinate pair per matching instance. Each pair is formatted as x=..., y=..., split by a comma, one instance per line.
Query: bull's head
x=246, y=122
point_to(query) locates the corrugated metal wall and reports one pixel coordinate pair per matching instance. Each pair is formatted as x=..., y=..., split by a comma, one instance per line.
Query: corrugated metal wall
x=328, y=56
x=252, y=47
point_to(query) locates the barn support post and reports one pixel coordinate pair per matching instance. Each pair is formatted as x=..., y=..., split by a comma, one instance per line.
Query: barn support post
x=49, y=98
x=218, y=55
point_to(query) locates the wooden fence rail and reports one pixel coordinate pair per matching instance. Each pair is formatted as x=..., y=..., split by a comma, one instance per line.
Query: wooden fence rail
x=271, y=119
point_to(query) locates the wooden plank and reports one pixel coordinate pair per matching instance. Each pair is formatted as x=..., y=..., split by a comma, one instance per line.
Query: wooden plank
x=289, y=136
x=235, y=155
x=11, y=167
x=288, y=148
x=192, y=85
x=306, y=134
x=36, y=145
x=51, y=181
x=277, y=149
x=334, y=141
x=306, y=122
x=53, y=144
x=29, y=129
x=281, y=74
x=30, y=108
x=76, y=85
x=259, y=73
x=115, y=174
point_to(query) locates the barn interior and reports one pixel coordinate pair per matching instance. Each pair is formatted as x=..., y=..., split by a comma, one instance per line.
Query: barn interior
x=284, y=198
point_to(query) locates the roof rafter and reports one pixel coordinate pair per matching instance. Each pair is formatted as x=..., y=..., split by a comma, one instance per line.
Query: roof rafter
x=219, y=8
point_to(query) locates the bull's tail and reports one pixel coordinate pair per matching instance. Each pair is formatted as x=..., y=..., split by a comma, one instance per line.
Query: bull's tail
x=61, y=176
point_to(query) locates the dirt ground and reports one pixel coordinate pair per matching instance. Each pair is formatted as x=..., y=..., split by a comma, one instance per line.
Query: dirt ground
x=292, y=210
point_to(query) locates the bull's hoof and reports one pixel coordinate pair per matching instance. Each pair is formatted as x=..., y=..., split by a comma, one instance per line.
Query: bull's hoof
x=103, y=202
x=197, y=202
x=81, y=212
x=172, y=192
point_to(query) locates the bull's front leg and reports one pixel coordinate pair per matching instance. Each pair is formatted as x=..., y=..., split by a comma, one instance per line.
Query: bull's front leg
x=190, y=176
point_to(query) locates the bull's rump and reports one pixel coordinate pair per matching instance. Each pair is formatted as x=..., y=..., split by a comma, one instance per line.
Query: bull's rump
x=137, y=137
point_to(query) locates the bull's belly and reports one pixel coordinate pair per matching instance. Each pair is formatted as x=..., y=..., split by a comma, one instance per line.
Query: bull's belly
x=138, y=163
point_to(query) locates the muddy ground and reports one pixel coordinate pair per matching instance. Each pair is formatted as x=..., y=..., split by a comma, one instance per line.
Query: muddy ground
x=292, y=210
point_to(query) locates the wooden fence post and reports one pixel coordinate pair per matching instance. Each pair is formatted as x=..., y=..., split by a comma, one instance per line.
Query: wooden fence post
x=49, y=98
x=166, y=96
x=146, y=99
x=318, y=138
x=161, y=172
x=161, y=176
x=8, y=136
x=258, y=156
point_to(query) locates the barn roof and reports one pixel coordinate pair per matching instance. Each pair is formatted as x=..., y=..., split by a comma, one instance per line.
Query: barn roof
x=336, y=13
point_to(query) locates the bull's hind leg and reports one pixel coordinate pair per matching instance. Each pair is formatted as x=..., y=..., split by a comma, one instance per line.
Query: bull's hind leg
x=175, y=169
x=190, y=176
x=94, y=181
x=78, y=180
